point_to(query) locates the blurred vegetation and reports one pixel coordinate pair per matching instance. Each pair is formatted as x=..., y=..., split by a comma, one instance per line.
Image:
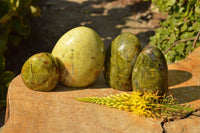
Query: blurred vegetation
x=178, y=35
x=14, y=25
x=5, y=79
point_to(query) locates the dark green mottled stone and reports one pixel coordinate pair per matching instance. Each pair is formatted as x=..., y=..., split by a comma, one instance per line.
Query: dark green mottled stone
x=120, y=58
x=40, y=72
x=150, y=72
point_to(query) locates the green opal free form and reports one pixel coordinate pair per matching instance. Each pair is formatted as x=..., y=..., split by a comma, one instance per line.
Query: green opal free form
x=40, y=72
x=150, y=72
x=120, y=59
x=81, y=54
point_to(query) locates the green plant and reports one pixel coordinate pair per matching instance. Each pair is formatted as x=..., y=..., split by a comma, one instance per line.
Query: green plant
x=5, y=79
x=14, y=22
x=147, y=104
x=179, y=33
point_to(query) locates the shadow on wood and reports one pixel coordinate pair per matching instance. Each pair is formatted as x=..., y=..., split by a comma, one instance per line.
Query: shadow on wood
x=100, y=83
x=178, y=76
x=186, y=94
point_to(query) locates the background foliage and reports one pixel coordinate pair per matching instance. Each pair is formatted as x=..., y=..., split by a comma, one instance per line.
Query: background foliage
x=5, y=79
x=14, y=25
x=14, y=22
x=179, y=33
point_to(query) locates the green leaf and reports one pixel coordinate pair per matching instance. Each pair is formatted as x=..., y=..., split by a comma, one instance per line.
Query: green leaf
x=182, y=2
x=3, y=92
x=188, y=49
x=3, y=42
x=196, y=26
x=184, y=27
x=15, y=40
x=21, y=27
x=187, y=35
x=181, y=9
x=2, y=102
x=172, y=39
x=4, y=8
x=2, y=63
x=178, y=58
x=170, y=56
x=179, y=23
x=6, y=77
x=171, y=2
x=190, y=29
x=192, y=2
x=25, y=3
x=180, y=48
x=35, y=10
x=21, y=4
x=197, y=11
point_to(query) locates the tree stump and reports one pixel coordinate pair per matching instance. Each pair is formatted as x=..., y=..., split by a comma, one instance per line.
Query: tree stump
x=31, y=111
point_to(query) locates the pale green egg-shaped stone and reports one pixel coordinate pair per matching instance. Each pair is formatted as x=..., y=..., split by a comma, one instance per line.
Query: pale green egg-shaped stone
x=81, y=54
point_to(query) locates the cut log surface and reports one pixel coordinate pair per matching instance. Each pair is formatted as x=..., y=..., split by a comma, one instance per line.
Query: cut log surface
x=31, y=111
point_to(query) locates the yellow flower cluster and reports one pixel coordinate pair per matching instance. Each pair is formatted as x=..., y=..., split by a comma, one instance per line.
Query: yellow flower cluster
x=143, y=104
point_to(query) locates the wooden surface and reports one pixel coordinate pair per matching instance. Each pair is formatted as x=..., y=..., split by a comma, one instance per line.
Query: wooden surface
x=57, y=112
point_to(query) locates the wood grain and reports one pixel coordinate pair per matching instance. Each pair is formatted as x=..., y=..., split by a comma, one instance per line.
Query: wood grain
x=57, y=112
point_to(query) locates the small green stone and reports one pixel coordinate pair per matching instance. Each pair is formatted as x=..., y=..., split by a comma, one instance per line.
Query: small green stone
x=150, y=72
x=40, y=72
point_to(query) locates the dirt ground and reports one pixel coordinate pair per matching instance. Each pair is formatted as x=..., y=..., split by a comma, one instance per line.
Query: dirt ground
x=108, y=18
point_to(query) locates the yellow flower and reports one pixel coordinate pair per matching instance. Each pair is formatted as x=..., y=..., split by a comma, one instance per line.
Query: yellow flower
x=143, y=104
